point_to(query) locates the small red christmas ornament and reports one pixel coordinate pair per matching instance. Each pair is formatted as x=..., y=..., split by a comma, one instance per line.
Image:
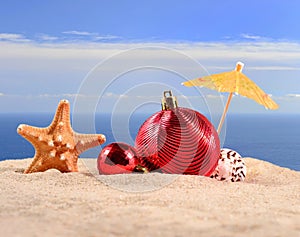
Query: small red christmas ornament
x=117, y=158
x=178, y=140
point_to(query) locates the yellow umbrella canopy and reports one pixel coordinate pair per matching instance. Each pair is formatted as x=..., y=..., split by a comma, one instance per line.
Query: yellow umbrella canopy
x=234, y=82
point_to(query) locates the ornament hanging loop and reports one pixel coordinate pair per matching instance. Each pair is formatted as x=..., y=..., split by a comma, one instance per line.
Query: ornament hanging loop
x=168, y=101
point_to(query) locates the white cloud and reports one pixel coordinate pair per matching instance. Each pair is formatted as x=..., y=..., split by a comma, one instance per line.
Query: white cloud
x=251, y=37
x=215, y=96
x=90, y=36
x=72, y=95
x=65, y=95
x=47, y=37
x=109, y=94
x=274, y=64
x=81, y=33
x=268, y=52
x=13, y=37
x=272, y=52
x=47, y=96
x=113, y=95
x=275, y=68
x=293, y=95
x=123, y=96
x=6, y=36
x=106, y=37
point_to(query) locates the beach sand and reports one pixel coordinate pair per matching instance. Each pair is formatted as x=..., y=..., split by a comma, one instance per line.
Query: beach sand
x=85, y=204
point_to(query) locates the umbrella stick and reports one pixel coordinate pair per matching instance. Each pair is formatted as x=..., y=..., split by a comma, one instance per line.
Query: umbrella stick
x=224, y=113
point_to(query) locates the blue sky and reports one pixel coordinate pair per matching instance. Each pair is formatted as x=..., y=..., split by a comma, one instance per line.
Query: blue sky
x=191, y=20
x=48, y=48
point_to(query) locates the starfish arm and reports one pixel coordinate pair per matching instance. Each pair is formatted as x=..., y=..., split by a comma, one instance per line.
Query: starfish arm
x=36, y=136
x=87, y=141
x=35, y=166
x=62, y=117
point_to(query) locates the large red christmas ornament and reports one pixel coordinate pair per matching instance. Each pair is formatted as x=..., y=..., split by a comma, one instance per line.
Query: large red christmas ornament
x=178, y=141
x=117, y=158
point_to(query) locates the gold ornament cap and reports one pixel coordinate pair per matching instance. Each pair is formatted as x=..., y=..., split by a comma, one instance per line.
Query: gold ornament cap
x=168, y=102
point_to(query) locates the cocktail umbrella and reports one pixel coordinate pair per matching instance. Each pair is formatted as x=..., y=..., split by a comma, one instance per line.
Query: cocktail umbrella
x=234, y=82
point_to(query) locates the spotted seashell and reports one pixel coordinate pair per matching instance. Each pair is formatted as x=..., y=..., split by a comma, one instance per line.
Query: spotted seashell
x=230, y=167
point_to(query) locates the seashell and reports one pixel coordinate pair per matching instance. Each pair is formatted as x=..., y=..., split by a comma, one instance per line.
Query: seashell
x=178, y=141
x=230, y=166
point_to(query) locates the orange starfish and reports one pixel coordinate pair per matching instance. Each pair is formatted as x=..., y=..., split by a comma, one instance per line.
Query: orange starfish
x=58, y=146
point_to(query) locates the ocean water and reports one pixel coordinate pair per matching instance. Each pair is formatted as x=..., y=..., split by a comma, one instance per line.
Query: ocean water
x=274, y=138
